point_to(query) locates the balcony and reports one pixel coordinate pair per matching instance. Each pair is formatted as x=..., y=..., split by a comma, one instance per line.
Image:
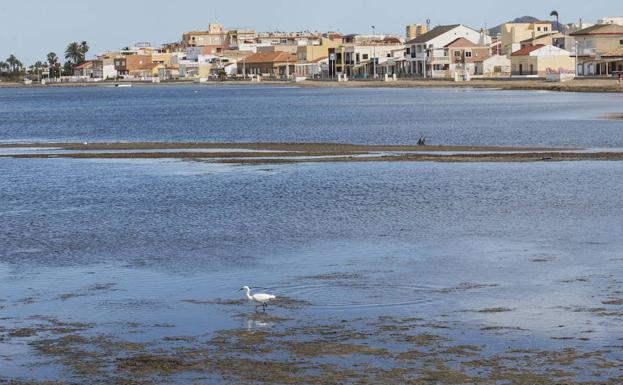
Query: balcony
x=438, y=60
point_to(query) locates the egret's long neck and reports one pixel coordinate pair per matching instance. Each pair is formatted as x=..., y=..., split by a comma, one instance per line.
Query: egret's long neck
x=249, y=294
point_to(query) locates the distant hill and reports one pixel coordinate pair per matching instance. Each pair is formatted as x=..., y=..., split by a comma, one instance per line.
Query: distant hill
x=524, y=19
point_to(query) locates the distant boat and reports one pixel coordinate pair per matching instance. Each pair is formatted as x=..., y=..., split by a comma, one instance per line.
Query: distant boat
x=123, y=85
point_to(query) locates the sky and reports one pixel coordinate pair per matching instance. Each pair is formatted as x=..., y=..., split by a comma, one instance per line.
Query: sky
x=30, y=29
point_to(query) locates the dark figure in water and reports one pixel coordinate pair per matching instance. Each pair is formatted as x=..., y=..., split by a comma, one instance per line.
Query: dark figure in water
x=422, y=141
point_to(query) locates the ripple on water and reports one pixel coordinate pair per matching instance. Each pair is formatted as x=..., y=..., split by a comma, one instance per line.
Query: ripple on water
x=359, y=295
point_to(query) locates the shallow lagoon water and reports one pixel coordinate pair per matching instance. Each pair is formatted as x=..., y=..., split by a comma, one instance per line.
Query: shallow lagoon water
x=524, y=255
x=155, y=243
x=269, y=114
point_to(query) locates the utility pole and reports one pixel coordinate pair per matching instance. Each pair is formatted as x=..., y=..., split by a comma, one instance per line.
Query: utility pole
x=374, y=49
x=576, y=58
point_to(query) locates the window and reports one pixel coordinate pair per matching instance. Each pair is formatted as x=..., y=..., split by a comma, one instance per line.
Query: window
x=621, y=42
x=457, y=53
x=545, y=29
x=468, y=54
x=365, y=56
x=538, y=29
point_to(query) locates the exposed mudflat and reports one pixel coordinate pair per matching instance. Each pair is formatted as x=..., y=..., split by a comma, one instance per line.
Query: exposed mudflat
x=280, y=347
x=266, y=153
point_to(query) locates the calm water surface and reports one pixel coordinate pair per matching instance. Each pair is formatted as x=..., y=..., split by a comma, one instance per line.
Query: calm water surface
x=113, y=242
x=264, y=114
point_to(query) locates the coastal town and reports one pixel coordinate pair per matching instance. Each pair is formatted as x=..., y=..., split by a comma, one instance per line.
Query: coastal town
x=526, y=48
x=320, y=193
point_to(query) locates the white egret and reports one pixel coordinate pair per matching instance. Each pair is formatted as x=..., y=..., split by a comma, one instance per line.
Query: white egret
x=262, y=298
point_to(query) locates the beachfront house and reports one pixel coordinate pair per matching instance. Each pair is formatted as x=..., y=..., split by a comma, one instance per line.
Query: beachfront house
x=360, y=54
x=137, y=66
x=540, y=60
x=84, y=70
x=428, y=55
x=496, y=66
x=466, y=57
x=600, y=50
x=270, y=64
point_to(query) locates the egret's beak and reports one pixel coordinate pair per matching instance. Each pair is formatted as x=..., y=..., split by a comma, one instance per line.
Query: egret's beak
x=241, y=289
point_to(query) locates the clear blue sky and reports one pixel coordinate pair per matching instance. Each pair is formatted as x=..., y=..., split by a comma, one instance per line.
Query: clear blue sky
x=30, y=29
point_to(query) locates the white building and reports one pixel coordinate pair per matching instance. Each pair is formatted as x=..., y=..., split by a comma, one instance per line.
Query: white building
x=496, y=65
x=426, y=53
x=362, y=60
x=611, y=20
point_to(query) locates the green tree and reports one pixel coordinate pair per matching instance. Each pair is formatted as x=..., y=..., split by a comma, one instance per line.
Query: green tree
x=73, y=53
x=68, y=68
x=14, y=63
x=84, y=49
x=53, y=63
x=4, y=67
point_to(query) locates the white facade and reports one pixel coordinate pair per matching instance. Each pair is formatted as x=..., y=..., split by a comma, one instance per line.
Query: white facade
x=549, y=50
x=611, y=20
x=497, y=65
x=109, y=71
x=429, y=55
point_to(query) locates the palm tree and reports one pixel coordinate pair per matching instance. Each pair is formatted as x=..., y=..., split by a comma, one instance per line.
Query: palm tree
x=555, y=13
x=18, y=65
x=73, y=53
x=84, y=48
x=4, y=67
x=52, y=61
x=12, y=62
x=52, y=58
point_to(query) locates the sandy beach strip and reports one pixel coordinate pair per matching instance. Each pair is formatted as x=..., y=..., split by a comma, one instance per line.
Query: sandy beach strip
x=274, y=153
x=576, y=85
x=277, y=147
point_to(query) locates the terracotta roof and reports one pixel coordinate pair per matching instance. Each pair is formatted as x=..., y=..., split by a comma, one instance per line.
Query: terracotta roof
x=462, y=42
x=527, y=50
x=86, y=64
x=599, y=29
x=271, y=57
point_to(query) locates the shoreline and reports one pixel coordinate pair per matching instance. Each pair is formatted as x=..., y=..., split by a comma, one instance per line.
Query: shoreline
x=280, y=153
x=600, y=85
x=309, y=147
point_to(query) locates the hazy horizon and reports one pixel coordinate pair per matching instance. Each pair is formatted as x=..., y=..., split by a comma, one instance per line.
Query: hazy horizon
x=33, y=29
